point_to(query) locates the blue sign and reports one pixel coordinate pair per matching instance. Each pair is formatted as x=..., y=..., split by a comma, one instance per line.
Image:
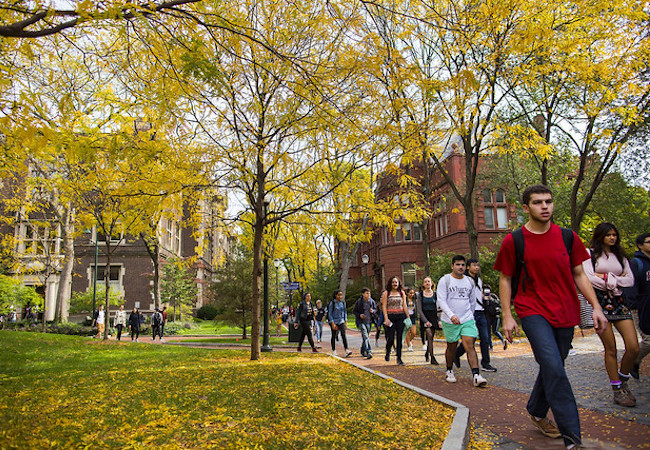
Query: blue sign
x=290, y=286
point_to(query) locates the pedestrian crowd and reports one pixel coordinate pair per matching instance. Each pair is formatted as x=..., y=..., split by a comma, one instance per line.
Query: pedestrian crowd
x=133, y=322
x=540, y=266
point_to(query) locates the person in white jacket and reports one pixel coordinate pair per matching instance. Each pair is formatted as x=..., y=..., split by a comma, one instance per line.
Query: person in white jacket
x=457, y=295
x=119, y=321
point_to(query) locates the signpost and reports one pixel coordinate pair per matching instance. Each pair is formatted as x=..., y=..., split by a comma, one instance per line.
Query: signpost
x=290, y=285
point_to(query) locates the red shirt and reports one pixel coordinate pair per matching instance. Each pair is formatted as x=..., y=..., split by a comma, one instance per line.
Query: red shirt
x=550, y=291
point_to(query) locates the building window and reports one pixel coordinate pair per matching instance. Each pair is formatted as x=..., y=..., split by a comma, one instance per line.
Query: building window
x=440, y=224
x=398, y=233
x=495, y=210
x=406, y=232
x=417, y=232
x=115, y=277
x=42, y=238
x=408, y=274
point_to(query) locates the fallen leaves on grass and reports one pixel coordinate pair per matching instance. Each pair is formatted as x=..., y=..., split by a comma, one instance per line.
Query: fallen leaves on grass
x=135, y=396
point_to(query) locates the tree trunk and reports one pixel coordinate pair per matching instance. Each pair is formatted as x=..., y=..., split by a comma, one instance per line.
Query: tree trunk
x=65, y=278
x=345, y=253
x=257, y=278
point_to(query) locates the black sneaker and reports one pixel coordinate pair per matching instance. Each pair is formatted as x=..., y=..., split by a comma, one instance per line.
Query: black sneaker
x=488, y=368
x=635, y=372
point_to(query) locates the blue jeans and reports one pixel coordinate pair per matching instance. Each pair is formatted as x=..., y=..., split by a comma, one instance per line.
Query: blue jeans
x=365, y=338
x=552, y=388
x=483, y=335
x=319, y=329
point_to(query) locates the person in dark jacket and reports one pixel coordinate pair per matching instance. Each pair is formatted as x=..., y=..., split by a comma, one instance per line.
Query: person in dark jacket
x=305, y=316
x=364, y=310
x=638, y=296
x=134, y=324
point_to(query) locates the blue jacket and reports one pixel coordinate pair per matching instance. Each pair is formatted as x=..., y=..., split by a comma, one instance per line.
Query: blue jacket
x=640, y=292
x=337, y=312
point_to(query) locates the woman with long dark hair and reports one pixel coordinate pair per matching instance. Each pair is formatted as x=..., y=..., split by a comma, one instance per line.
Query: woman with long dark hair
x=609, y=272
x=393, y=305
x=134, y=324
x=428, y=312
x=305, y=316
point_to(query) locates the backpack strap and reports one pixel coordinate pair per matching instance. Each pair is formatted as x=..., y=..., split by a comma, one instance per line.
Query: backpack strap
x=518, y=239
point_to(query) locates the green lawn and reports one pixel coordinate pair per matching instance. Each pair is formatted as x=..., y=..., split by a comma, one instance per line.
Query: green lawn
x=68, y=392
x=208, y=327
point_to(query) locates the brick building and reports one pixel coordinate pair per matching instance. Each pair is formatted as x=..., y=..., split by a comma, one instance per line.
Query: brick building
x=38, y=243
x=402, y=253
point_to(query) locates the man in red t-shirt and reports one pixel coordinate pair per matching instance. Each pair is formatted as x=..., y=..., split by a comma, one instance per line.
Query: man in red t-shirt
x=548, y=308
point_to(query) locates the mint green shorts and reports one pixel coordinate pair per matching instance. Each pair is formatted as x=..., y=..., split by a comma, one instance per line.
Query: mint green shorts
x=454, y=332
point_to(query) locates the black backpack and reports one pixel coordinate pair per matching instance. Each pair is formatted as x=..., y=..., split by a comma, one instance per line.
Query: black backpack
x=156, y=319
x=520, y=264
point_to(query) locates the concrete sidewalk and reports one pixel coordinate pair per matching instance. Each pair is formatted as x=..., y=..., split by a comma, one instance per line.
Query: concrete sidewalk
x=498, y=412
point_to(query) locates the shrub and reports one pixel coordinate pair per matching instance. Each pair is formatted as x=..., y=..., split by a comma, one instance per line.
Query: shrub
x=207, y=312
x=173, y=328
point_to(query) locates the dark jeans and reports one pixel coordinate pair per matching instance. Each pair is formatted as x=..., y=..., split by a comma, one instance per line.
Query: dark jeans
x=156, y=331
x=552, y=388
x=162, y=329
x=305, y=330
x=335, y=333
x=135, y=331
x=483, y=335
x=394, y=333
x=119, y=331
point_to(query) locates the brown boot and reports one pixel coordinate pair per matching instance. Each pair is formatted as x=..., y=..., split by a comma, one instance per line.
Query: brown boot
x=622, y=398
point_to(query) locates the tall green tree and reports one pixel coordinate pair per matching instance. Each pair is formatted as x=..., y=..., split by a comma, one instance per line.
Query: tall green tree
x=178, y=286
x=231, y=293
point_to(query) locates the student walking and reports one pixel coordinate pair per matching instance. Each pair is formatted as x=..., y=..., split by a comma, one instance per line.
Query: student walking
x=412, y=331
x=100, y=321
x=457, y=294
x=393, y=305
x=480, y=318
x=134, y=324
x=305, y=315
x=120, y=321
x=545, y=262
x=609, y=271
x=364, y=310
x=428, y=311
x=156, y=323
x=318, y=320
x=337, y=316
x=639, y=295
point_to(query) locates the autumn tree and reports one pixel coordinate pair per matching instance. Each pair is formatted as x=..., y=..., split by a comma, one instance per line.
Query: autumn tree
x=586, y=90
x=178, y=285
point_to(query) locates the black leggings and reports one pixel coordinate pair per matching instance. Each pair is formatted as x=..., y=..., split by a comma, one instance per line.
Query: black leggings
x=135, y=332
x=119, y=331
x=432, y=317
x=394, y=333
x=305, y=331
x=335, y=333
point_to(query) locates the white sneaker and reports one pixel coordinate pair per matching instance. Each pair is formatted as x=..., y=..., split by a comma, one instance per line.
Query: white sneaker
x=136, y=340
x=347, y=353
x=450, y=378
x=410, y=348
x=162, y=340
x=334, y=352
x=424, y=347
x=572, y=352
x=479, y=381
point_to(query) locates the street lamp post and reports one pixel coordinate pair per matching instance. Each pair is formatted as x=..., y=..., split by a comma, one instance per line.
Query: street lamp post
x=277, y=263
x=266, y=347
x=365, y=258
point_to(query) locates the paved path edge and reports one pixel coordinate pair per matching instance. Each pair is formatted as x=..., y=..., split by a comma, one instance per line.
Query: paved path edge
x=458, y=436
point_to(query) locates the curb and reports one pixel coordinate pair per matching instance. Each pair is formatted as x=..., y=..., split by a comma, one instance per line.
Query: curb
x=458, y=436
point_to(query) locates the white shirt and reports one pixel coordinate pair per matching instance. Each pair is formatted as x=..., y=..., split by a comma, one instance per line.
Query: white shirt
x=457, y=297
